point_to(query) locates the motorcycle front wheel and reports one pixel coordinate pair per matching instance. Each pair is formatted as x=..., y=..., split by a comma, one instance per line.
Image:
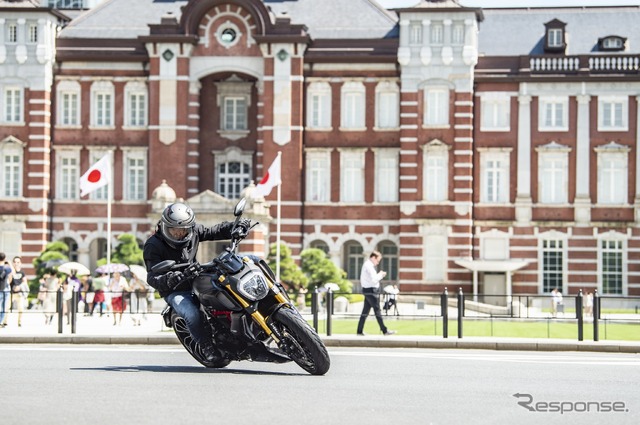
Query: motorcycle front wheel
x=192, y=347
x=301, y=343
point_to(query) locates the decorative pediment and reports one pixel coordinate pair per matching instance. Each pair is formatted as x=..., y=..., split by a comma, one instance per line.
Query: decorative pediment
x=553, y=146
x=12, y=140
x=612, y=147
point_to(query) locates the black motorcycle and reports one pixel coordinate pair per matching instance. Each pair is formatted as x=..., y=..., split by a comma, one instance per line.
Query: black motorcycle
x=249, y=314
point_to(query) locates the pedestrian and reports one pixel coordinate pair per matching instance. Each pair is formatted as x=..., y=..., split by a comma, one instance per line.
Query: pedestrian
x=98, y=285
x=557, y=304
x=19, y=288
x=588, y=304
x=370, y=282
x=139, y=290
x=51, y=286
x=117, y=288
x=5, y=278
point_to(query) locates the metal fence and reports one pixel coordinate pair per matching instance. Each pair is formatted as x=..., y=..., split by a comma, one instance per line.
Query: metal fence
x=587, y=315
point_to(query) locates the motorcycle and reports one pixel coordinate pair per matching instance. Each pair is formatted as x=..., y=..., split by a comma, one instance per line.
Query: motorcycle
x=248, y=313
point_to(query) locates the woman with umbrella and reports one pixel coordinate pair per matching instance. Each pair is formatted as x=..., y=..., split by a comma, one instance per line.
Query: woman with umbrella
x=117, y=286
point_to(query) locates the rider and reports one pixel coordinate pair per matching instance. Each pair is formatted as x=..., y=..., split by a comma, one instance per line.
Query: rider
x=176, y=238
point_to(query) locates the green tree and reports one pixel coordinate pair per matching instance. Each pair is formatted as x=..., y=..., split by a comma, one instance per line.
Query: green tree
x=321, y=270
x=290, y=273
x=126, y=252
x=54, y=254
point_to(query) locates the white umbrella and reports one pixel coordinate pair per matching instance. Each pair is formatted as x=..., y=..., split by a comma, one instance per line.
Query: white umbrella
x=112, y=268
x=139, y=271
x=69, y=267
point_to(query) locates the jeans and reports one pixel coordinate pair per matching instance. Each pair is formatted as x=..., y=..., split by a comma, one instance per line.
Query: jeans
x=4, y=298
x=185, y=305
x=371, y=300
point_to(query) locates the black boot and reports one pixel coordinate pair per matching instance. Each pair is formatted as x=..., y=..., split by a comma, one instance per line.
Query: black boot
x=210, y=352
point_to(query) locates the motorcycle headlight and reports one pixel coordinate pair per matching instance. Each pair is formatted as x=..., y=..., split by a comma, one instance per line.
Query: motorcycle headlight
x=253, y=287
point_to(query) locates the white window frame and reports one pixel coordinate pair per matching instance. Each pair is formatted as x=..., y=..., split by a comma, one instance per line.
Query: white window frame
x=435, y=248
x=613, y=182
x=11, y=166
x=553, y=113
x=353, y=106
x=437, y=33
x=68, y=94
x=13, y=105
x=613, y=113
x=435, y=176
x=136, y=107
x=387, y=106
x=555, y=37
x=553, y=173
x=436, y=110
x=499, y=161
x=102, y=105
x=318, y=175
x=387, y=175
x=240, y=179
x=620, y=239
x=547, y=238
x=352, y=166
x=12, y=33
x=415, y=33
x=135, y=174
x=230, y=93
x=68, y=174
x=495, y=112
x=32, y=35
x=319, y=106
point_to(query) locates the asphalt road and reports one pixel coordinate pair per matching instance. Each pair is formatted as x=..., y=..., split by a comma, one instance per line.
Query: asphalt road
x=107, y=385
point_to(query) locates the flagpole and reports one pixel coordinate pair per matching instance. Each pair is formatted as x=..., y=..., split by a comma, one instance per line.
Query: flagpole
x=278, y=228
x=109, y=195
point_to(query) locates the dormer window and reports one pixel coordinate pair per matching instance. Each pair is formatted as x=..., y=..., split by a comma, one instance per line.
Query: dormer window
x=611, y=43
x=555, y=37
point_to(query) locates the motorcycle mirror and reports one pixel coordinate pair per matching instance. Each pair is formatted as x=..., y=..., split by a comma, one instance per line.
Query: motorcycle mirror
x=163, y=266
x=237, y=211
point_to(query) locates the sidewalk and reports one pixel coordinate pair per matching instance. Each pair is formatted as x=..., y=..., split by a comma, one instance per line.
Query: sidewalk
x=100, y=330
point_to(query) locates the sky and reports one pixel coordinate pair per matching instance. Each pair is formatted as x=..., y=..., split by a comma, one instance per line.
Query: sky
x=518, y=3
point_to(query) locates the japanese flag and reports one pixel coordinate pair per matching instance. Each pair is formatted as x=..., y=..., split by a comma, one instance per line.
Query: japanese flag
x=270, y=180
x=97, y=176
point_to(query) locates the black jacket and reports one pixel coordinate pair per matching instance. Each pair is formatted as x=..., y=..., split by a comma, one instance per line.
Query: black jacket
x=157, y=250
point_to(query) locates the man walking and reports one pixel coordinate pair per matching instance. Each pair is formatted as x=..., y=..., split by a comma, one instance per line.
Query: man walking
x=5, y=275
x=370, y=282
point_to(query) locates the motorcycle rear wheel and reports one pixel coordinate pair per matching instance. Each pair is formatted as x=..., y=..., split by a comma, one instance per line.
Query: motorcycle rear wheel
x=192, y=347
x=301, y=342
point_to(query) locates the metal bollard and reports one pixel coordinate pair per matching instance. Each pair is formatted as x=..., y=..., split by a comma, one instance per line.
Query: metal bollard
x=579, y=315
x=460, y=311
x=596, y=315
x=444, y=307
x=74, y=311
x=60, y=309
x=314, y=309
x=329, y=310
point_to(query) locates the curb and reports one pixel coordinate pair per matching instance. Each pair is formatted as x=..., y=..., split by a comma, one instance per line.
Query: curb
x=169, y=338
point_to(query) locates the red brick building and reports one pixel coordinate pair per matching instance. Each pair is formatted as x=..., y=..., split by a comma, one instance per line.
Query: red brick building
x=490, y=149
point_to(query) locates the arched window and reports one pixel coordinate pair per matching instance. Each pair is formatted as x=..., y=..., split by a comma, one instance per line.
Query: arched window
x=321, y=245
x=353, y=259
x=233, y=177
x=389, y=261
x=73, y=248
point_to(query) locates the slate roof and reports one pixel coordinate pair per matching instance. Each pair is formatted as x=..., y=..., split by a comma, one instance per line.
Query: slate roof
x=130, y=18
x=514, y=32
x=333, y=19
x=120, y=19
x=503, y=32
